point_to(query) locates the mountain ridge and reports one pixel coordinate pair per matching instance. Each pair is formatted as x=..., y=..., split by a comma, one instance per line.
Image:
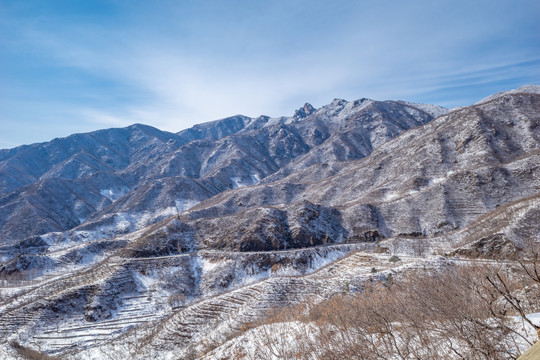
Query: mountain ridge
x=223, y=154
x=273, y=213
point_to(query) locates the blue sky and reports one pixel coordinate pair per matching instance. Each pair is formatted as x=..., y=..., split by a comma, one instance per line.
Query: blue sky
x=81, y=65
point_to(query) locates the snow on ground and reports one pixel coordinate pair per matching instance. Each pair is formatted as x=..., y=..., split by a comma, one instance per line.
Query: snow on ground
x=318, y=262
x=287, y=339
x=394, y=195
x=527, y=89
x=272, y=342
x=118, y=224
x=436, y=181
x=235, y=274
x=534, y=318
x=114, y=194
x=7, y=352
x=185, y=204
x=238, y=182
x=125, y=222
x=255, y=178
x=347, y=109
x=433, y=110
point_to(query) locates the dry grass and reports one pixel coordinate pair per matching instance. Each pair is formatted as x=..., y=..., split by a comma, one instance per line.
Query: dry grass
x=461, y=312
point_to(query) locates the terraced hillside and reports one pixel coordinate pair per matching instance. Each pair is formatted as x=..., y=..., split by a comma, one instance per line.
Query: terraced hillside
x=169, y=245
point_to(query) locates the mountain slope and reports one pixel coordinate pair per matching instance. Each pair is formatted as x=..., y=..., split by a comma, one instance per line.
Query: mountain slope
x=205, y=238
x=432, y=179
x=159, y=173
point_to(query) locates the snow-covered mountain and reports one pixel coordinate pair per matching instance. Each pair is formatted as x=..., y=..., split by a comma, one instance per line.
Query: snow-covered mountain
x=141, y=172
x=175, y=241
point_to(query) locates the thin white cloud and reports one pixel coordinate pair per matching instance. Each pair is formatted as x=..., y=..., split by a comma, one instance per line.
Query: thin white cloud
x=183, y=71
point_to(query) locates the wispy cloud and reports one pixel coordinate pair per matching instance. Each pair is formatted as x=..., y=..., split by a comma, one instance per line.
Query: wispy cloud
x=178, y=64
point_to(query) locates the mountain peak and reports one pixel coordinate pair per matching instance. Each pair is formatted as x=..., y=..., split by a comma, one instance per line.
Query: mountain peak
x=528, y=89
x=304, y=111
x=338, y=102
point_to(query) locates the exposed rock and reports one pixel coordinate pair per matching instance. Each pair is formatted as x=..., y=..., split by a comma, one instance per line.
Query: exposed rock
x=496, y=246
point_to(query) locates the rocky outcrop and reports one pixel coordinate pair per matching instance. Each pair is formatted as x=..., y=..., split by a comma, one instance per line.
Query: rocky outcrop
x=496, y=246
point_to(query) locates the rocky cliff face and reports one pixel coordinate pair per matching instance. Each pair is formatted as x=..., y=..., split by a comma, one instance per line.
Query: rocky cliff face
x=172, y=240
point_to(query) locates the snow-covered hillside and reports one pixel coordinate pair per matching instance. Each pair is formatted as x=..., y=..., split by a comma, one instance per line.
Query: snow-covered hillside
x=144, y=243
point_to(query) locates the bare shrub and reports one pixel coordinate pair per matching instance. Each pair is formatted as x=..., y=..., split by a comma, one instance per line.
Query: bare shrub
x=29, y=353
x=460, y=312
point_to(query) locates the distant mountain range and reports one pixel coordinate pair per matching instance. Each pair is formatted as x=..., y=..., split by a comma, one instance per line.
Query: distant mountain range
x=91, y=178
x=94, y=217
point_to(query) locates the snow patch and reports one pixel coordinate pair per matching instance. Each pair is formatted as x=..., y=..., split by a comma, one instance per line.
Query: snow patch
x=391, y=196
x=527, y=89
x=534, y=318
x=436, y=181
x=185, y=204
x=433, y=110
x=236, y=182
x=148, y=282
x=114, y=194
x=255, y=178
x=283, y=336
x=207, y=265
x=122, y=223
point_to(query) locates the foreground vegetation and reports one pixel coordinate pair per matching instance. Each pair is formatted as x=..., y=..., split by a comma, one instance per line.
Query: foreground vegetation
x=469, y=310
